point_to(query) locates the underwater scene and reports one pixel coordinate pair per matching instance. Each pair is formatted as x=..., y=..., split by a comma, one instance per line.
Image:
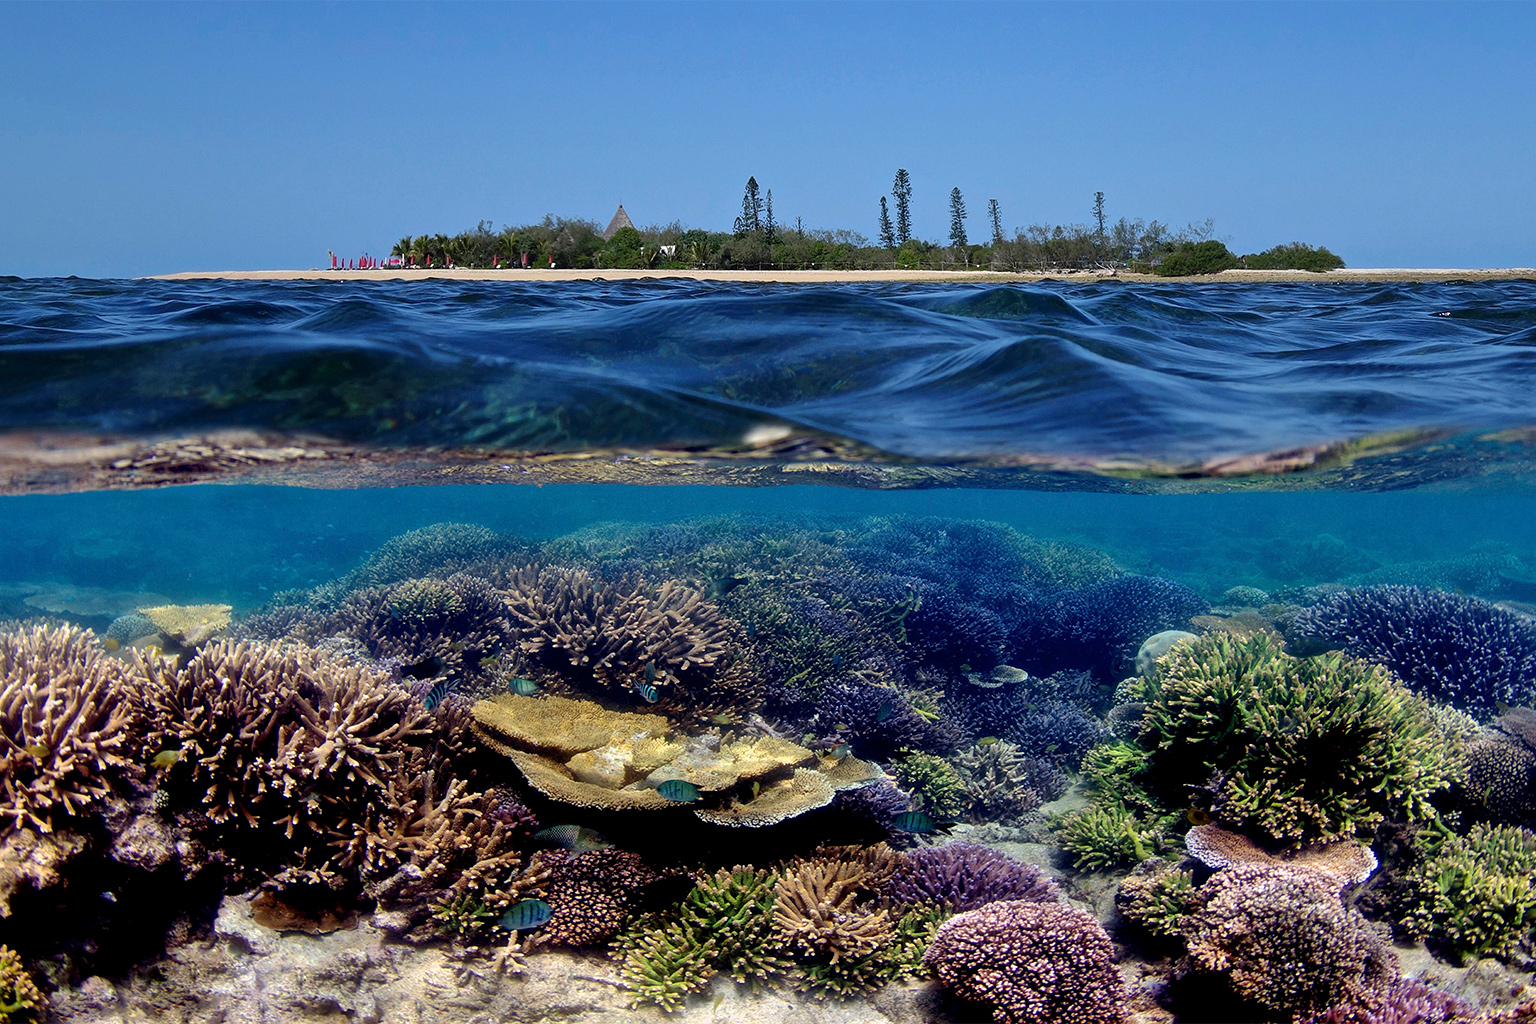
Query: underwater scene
x=468, y=652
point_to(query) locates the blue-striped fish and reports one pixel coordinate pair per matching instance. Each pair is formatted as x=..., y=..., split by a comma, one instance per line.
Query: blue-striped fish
x=576, y=838
x=915, y=821
x=678, y=791
x=436, y=695
x=523, y=687
x=525, y=914
x=646, y=691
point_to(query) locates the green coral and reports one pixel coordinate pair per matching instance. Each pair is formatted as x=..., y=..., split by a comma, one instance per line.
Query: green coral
x=20, y=999
x=933, y=782
x=1158, y=900
x=1304, y=749
x=899, y=959
x=1108, y=835
x=1116, y=773
x=665, y=963
x=463, y=915
x=1476, y=893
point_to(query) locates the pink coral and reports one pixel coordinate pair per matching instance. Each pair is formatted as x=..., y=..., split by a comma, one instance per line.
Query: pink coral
x=1032, y=962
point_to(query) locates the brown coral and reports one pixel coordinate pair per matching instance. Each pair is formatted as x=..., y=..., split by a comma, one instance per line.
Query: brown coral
x=591, y=895
x=1501, y=775
x=18, y=994
x=65, y=724
x=1342, y=859
x=1283, y=939
x=819, y=909
x=557, y=726
x=774, y=802
x=189, y=625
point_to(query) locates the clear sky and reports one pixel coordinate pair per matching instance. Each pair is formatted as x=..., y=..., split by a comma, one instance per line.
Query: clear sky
x=139, y=138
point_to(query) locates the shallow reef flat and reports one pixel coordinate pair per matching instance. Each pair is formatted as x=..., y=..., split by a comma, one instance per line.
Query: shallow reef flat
x=862, y=769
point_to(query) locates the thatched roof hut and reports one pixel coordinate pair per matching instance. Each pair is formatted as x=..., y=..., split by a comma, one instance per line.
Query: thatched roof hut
x=620, y=220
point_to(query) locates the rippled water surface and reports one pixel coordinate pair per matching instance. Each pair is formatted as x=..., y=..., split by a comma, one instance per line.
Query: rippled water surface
x=1097, y=370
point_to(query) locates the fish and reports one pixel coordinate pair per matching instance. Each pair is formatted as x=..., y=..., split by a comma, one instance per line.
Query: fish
x=837, y=661
x=722, y=586
x=757, y=787
x=576, y=838
x=165, y=759
x=650, y=671
x=840, y=751
x=523, y=687
x=915, y=821
x=1196, y=816
x=525, y=914
x=436, y=696
x=887, y=709
x=678, y=791
x=646, y=691
x=111, y=644
x=37, y=750
x=986, y=741
x=722, y=719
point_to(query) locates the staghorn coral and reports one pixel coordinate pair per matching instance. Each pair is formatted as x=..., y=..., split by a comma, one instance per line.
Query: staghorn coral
x=592, y=895
x=1109, y=835
x=437, y=550
x=1475, y=894
x=439, y=628
x=66, y=725
x=1157, y=896
x=1257, y=923
x=1039, y=723
x=606, y=637
x=19, y=996
x=1501, y=776
x=933, y=782
x=734, y=908
x=1458, y=649
x=964, y=876
x=666, y=963
x=1100, y=627
x=821, y=910
x=1403, y=1002
x=877, y=720
x=1302, y=749
x=1002, y=783
x=1033, y=963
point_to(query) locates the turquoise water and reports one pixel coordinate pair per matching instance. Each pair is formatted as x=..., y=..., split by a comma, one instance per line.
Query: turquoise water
x=1038, y=641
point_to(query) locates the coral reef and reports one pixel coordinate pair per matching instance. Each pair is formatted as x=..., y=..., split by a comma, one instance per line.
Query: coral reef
x=1157, y=896
x=1475, y=894
x=933, y=782
x=591, y=894
x=1109, y=835
x=963, y=876
x=1458, y=649
x=1033, y=963
x=1403, y=1002
x=1002, y=783
x=1302, y=749
x=19, y=996
x=66, y=725
x=1100, y=627
x=1257, y=924
x=189, y=625
x=437, y=550
x=1501, y=776
x=1215, y=847
x=821, y=909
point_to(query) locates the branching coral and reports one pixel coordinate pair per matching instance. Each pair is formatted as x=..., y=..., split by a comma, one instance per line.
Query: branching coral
x=666, y=963
x=436, y=550
x=1501, y=775
x=592, y=895
x=1459, y=649
x=66, y=725
x=1109, y=835
x=1476, y=893
x=1158, y=898
x=1034, y=963
x=964, y=876
x=609, y=636
x=1100, y=627
x=19, y=996
x=1002, y=782
x=1303, y=749
x=821, y=909
x=933, y=782
x=1283, y=939
x=1403, y=1002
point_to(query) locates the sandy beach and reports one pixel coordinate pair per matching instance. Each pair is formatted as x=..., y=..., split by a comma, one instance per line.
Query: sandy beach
x=1364, y=275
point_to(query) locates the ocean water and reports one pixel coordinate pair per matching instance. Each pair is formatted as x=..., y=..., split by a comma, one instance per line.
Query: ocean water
x=881, y=495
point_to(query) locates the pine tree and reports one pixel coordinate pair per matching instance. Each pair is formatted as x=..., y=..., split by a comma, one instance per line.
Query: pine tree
x=751, y=218
x=997, y=221
x=957, y=219
x=770, y=229
x=1098, y=215
x=887, y=233
x=902, y=190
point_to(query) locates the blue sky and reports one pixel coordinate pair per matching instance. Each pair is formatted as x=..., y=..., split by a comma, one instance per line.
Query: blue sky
x=140, y=138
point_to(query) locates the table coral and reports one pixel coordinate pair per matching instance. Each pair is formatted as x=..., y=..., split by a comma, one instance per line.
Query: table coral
x=1033, y=963
x=66, y=725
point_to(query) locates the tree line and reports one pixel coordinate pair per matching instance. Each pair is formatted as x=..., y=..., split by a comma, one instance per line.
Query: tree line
x=760, y=240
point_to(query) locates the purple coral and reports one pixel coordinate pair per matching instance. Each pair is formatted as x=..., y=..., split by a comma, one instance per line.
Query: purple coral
x=1034, y=963
x=878, y=719
x=1099, y=627
x=1405, y=1002
x=1457, y=649
x=964, y=876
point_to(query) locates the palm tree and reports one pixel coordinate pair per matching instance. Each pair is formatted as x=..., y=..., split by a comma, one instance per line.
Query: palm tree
x=403, y=247
x=702, y=252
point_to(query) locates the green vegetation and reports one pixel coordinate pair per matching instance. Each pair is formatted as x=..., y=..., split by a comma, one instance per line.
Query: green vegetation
x=1296, y=256
x=759, y=241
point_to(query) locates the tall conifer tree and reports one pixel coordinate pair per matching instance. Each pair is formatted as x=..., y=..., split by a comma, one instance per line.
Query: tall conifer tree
x=901, y=188
x=957, y=219
x=770, y=229
x=997, y=221
x=887, y=233
x=751, y=218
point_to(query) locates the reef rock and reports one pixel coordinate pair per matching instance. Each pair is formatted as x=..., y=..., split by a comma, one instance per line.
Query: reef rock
x=1156, y=646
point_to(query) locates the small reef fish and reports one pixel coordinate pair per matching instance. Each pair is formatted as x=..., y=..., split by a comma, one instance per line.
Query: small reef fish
x=840, y=751
x=722, y=586
x=525, y=914
x=986, y=741
x=111, y=644
x=165, y=759
x=436, y=696
x=678, y=791
x=886, y=710
x=650, y=671
x=915, y=821
x=646, y=691
x=722, y=719
x=523, y=687
x=576, y=838
x=37, y=750
x=1196, y=816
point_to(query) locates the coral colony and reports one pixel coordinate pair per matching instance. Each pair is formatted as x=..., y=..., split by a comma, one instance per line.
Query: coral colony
x=795, y=758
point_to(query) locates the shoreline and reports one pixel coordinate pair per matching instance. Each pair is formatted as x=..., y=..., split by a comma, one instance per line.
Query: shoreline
x=1347, y=276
